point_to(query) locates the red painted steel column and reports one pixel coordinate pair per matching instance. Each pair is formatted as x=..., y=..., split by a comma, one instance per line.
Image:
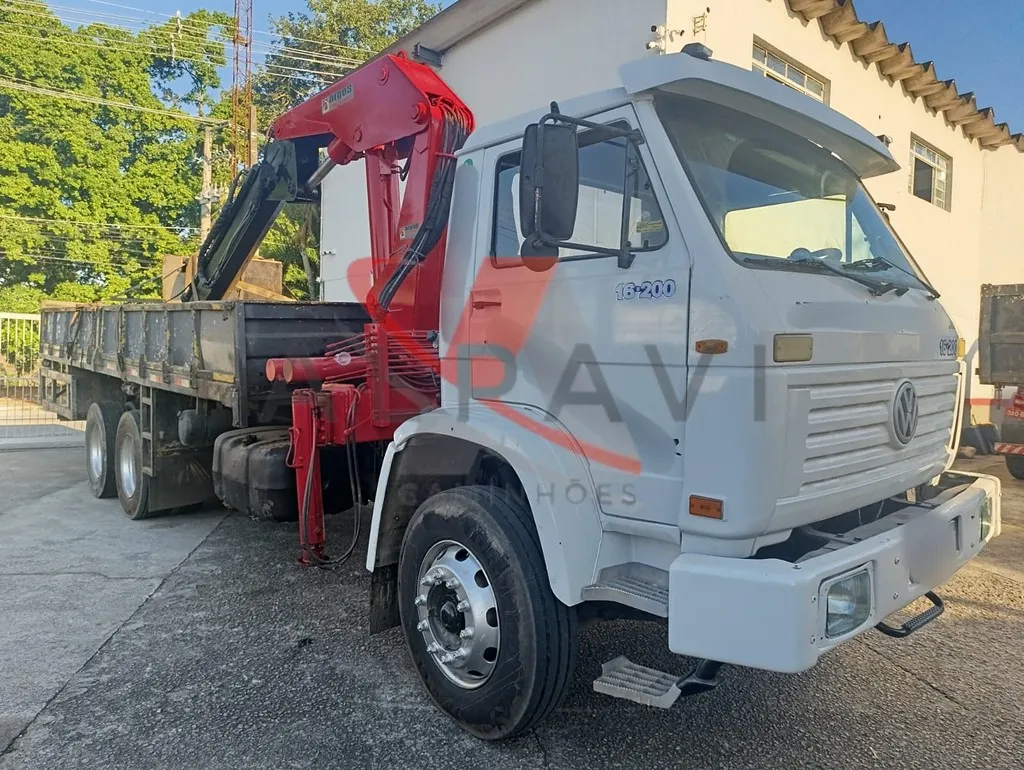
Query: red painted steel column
x=306, y=461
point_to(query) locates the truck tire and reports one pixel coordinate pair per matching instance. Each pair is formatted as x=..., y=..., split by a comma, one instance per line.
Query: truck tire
x=132, y=483
x=1015, y=465
x=100, y=432
x=492, y=645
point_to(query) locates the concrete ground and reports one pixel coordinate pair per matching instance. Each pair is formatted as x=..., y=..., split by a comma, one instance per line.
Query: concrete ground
x=195, y=642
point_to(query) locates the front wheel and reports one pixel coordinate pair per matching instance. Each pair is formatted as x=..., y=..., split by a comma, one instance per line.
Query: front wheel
x=493, y=646
x=1015, y=465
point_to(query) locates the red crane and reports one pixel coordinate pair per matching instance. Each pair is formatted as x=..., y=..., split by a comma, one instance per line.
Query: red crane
x=404, y=122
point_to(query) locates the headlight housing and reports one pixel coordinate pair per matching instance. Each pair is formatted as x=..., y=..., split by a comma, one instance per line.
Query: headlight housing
x=848, y=602
x=985, y=514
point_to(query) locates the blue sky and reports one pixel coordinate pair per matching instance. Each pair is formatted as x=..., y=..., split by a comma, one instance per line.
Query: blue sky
x=980, y=44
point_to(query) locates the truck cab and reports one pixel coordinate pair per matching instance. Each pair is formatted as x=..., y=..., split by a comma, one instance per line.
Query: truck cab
x=703, y=372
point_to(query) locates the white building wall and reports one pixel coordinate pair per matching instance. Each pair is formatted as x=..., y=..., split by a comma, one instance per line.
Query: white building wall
x=979, y=239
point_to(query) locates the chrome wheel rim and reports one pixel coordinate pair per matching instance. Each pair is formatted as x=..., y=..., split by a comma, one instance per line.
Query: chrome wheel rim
x=127, y=464
x=95, y=452
x=457, y=614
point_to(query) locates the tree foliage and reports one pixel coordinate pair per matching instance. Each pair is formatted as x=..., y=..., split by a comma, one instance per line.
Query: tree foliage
x=66, y=165
x=316, y=48
x=321, y=44
x=92, y=196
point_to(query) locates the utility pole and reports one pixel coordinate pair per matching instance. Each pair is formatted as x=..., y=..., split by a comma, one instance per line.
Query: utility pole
x=254, y=145
x=241, y=86
x=206, y=195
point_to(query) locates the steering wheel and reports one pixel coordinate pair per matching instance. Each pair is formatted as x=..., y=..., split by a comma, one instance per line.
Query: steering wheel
x=805, y=255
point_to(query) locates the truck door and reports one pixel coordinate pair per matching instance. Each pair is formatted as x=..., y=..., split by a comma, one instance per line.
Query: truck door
x=597, y=347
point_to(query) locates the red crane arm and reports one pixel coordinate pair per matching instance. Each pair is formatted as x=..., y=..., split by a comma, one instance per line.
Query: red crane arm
x=401, y=118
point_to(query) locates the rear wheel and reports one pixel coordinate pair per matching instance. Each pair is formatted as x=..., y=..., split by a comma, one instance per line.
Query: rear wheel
x=100, y=433
x=1015, y=465
x=132, y=483
x=493, y=646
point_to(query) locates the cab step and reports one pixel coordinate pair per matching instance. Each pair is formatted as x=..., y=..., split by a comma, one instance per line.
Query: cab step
x=633, y=585
x=622, y=678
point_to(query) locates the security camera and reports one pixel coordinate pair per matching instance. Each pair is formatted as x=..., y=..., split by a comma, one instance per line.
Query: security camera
x=653, y=45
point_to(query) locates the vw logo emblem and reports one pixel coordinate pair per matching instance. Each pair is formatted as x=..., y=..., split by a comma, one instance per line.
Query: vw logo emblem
x=904, y=413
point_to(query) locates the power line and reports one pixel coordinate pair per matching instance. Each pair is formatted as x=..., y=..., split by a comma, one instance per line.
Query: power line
x=106, y=244
x=74, y=96
x=61, y=249
x=197, y=37
x=58, y=13
x=362, y=51
x=187, y=27
x=117, y=257
x=190, y=34
x=133, y=44
x=94, y=224
x=98, y=265
x=88, y=251
x=194, y=44
x=334, y=75
x=125, y=237
x=135, y=47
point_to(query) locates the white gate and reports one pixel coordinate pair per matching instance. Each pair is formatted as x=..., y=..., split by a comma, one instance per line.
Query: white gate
x=22, y=419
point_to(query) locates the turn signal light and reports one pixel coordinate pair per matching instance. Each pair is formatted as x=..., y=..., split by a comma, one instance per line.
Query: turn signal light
x=707, y=507
x=711, y=347
x=961, y=347
x=793, y=347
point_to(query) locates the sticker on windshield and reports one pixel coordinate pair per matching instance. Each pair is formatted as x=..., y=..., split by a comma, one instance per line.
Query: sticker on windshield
x=947, y=347
x=650, y=226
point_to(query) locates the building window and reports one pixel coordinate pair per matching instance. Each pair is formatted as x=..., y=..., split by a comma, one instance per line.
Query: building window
x=775, y=67
x=930, y=173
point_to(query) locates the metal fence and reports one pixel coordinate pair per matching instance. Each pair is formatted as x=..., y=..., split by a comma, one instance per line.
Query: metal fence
x=22, y=419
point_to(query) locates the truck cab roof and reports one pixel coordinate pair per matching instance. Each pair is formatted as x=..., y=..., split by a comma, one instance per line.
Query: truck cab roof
x=725, y=84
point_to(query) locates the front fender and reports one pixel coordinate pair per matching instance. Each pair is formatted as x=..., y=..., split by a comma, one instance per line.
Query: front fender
x=553, y=474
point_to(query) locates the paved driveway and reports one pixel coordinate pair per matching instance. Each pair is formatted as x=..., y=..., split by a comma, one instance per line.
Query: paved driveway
x=195, y=642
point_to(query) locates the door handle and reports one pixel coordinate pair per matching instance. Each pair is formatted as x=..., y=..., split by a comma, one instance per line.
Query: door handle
x=480, y=304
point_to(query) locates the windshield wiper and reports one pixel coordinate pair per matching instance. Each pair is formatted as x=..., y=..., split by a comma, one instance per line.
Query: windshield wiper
x=876, y=288
x=881, y=263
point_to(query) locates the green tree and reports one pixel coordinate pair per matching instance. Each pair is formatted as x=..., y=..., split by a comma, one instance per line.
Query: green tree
x=317, y=47
x=93, y=195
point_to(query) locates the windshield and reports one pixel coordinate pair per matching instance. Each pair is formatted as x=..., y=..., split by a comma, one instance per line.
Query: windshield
x=779, y=200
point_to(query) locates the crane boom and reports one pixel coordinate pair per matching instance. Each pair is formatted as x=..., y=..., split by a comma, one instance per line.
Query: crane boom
x=404, y=122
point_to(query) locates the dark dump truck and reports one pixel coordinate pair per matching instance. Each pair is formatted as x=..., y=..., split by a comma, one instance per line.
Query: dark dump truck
x=1001, y=364
x=191, y=379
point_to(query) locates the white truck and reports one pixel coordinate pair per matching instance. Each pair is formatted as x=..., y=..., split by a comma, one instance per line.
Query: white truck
x=738, y=413
x=687, y=373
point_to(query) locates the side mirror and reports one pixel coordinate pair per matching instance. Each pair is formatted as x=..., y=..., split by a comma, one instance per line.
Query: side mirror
x=549, y=181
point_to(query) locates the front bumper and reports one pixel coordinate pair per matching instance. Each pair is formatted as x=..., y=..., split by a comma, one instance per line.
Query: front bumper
x=770, y=614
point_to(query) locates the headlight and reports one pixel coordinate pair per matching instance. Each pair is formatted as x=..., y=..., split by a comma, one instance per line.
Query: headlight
x=985, y=514
x=848, y=601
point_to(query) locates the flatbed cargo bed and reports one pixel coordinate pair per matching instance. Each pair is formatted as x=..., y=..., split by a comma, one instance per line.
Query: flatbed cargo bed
x=215, y=351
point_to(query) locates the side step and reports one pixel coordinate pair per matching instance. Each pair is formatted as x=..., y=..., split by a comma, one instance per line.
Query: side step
x=622, y=678
x=633, y=585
